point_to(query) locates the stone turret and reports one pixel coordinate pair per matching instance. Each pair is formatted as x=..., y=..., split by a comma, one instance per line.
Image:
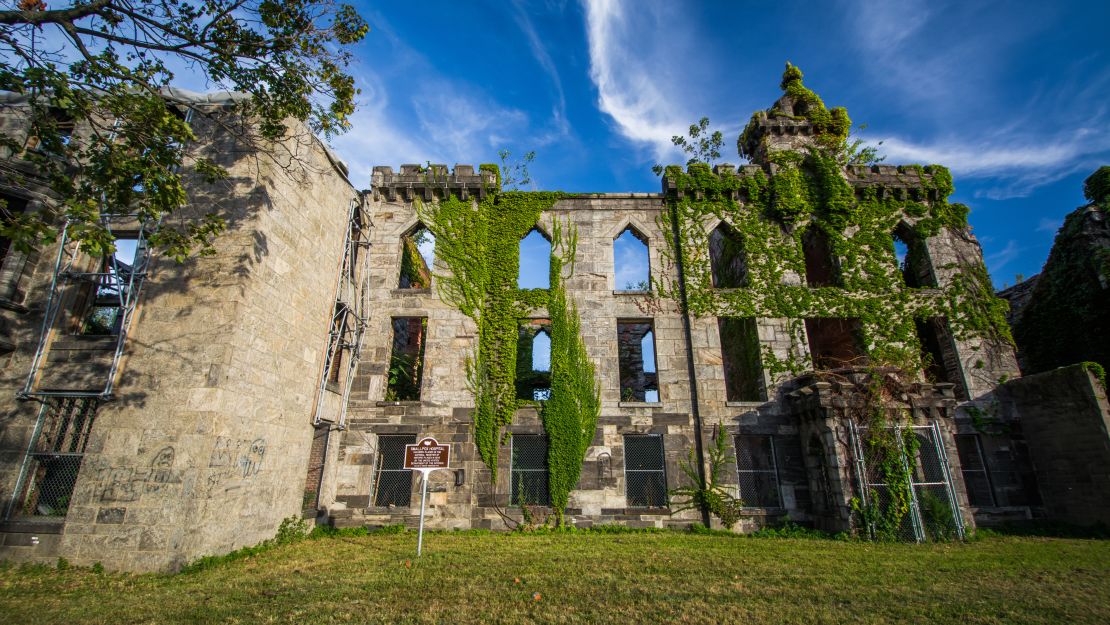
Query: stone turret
x=796, y=121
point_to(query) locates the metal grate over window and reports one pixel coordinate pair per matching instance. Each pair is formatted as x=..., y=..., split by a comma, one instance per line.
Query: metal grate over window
x=645, y=471
x=974, y=470
x=757, y=471
x=55, y=459
x=529, y=474
x=393, y=480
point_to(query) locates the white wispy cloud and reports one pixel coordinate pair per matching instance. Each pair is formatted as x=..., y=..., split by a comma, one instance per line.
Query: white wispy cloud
x=626, y=85
x=543, y=57
x=1049, y=225
x=998, y=260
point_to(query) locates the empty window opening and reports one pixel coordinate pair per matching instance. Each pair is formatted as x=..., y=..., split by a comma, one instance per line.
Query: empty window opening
x=728, y=261
x=835, y=343
x=630, y=261
x=535, y=261
x=317, y=456
x=758, y=471
x=10, y=208
x=938, y=355
x=636, y=359
x=533, y=360
x=52, y=467
x=110, y=290
x=645, y=474
x=740, y=354
x=821, y=265
x=417, y=255
x=393, y=482
x=406, y=364
x=529, y=472
x=338, y=336
x=912, y=259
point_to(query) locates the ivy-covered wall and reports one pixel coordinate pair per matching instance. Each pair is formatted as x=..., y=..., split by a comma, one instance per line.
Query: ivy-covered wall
x=1067, y=319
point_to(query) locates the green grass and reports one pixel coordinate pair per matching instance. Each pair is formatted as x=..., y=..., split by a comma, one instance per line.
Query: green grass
x=632, y=578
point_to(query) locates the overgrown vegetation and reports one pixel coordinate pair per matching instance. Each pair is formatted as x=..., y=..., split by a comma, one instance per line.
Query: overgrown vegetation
x=708, y=492
x=1066, y=320
x=478, y=240
x=587, y=577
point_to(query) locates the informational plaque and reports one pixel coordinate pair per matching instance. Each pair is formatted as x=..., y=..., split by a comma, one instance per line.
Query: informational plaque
x=426, y=456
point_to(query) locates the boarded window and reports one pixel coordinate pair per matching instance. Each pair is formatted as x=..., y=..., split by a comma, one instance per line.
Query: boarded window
x=417, y=254
x=740, y=354
x=821, y=266
x=631, y=263
x=757, y=471
x=835, y=343
x=393, y=486
x=636, y=359
x=535, y=261
x=912, y=258
x=406, y=363
x=645, y=471
x=533, y=360
x=727, y=258
x=529, y=473
x=110, y=291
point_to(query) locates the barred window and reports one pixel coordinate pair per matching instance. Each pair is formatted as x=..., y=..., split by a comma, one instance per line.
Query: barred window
x=393, y=481
x=757, y=471
x=529, y=470
x=51, y=472
x=644, y=471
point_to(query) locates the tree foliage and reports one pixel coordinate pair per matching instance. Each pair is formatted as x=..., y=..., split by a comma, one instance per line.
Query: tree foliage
x=701, y=145
x=98, y=71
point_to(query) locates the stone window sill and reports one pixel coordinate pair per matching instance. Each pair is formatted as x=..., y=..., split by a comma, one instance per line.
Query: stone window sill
x=648, y=511
x=640, y=404
x=410, y=292
x=416, y=402
x=744, y=404
x=626, y=293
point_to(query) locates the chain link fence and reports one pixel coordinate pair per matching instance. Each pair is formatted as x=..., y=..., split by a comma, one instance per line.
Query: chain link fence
x=529, y=470
x=392, y=481
x=644, y=471
x=927, y=509
x=54, y=459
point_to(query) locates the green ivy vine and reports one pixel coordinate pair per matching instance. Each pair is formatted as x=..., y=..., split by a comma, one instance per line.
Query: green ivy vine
x=478, y=241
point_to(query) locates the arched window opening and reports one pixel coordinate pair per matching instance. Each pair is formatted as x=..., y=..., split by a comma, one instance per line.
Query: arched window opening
x=417, y=255
x=727, y=258
x=535, y=261
x=912, y=258
x=630, y=261
x=533, y=360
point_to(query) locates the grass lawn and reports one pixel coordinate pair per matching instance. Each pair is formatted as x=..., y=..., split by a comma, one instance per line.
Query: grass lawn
x=592, y=578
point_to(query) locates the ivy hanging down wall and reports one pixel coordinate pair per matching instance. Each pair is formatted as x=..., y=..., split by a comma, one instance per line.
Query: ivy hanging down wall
x=478, y=241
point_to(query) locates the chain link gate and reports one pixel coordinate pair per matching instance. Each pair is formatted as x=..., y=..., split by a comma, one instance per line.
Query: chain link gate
x=529, y=471
x=933, y=513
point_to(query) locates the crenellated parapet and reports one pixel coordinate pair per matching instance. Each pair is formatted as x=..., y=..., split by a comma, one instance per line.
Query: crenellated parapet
x=901, y=182
x=426, y=183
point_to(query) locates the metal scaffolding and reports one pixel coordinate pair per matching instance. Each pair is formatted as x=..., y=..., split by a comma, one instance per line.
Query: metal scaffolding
x=348, y=324
x=114, y=287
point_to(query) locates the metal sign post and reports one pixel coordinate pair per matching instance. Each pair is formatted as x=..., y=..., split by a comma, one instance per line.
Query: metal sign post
x=426, y=456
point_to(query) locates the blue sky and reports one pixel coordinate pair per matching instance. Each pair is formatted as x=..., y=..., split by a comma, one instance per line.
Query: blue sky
x=1013, y=97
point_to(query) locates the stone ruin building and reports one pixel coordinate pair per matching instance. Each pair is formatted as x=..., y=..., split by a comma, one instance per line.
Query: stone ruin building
x=154, y=412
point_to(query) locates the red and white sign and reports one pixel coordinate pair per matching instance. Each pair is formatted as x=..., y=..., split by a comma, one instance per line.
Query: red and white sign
x=427, y=454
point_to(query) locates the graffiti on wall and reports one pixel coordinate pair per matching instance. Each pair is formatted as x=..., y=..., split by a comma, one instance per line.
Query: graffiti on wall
x=124, y=483
x=233, y=462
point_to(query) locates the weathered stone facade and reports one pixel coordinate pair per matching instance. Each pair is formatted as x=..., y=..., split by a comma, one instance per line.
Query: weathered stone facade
x=234, y=373
x=210, y=420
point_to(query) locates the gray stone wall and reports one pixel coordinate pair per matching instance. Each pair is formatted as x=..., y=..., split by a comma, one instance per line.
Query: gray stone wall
x=1065, y=417
x=204, y=447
